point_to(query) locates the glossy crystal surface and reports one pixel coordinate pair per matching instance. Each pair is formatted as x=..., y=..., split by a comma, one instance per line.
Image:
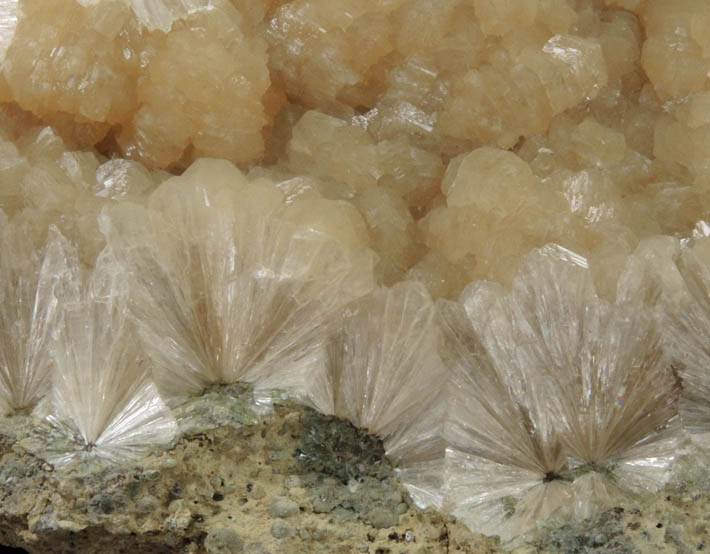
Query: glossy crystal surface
x=475, y=228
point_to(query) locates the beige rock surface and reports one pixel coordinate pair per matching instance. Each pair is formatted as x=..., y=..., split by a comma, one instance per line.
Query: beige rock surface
x=441, y=141
x=289, y=481
x=237, y=481
x=604, y=109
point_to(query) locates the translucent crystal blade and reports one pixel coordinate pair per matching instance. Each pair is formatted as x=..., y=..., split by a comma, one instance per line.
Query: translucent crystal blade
x=31, y=288
x=386, y=367
x=613, y=385
x=501, y=433
x=594, y=493
x=687, y=325
x=500, y=499
x=103, y=399
x=227, y=288
x=498, y=409
x=161, y=14
x=552, y=384
x=623, y=393
x=418, y=450
x=9, y=12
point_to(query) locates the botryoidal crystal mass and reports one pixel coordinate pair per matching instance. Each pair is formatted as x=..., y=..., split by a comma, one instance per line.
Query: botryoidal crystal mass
x=477, y=229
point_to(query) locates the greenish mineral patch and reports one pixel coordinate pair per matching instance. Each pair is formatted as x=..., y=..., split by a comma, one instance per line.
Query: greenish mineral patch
x=287, y=480
x=690, y=472
x=606, y=470
x=237, y=479
x=219, y=404
x=601, y=535
x=336, y=447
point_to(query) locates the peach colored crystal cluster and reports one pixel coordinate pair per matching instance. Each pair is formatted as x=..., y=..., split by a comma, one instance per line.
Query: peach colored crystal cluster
x=477, y=228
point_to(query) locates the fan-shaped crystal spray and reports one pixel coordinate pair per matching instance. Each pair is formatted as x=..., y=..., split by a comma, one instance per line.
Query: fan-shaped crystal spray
x=383, y=373
x=31, y=284
x=615, y=392
x=227, y=288
x=502, y=446
x=383, y=362
x=103, y=399
x=686, y=322
x=553, y=389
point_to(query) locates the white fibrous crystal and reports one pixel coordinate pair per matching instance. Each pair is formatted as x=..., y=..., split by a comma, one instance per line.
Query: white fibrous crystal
x=500, y=435
x=103, y=399
x=291, y=193
x=552, y=390
x=31, y=289
x=228, y=288
x=616, y=394
x=686, y=321
x=383, y=362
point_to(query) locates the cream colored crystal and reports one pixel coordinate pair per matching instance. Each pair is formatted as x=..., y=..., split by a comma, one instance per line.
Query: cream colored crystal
x=49, y=182
x=32, y=289
x=683, y=139
x=326, y=50
x=213, y=105
x=227, y=288
x=551, y=389
x=502, y=16
x=330, y=148
x=392, y=232
x=169, y=80
x=496, y=209
x=673, y=55
x=103, y=399
x=544, y=81
x=479, y=177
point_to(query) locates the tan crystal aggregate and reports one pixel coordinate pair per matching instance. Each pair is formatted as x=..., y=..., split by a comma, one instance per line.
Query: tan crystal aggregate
x=256, y=165
x=451, y=137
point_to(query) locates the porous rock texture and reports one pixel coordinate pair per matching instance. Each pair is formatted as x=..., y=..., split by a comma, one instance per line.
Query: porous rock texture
x=285, y=481
x=236, y=481
x=222, y=178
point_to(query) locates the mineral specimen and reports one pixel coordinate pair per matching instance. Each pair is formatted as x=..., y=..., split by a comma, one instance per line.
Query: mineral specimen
x=102, y=398
x=226, y=286
x=553, y=390
x=32, y=290
x=295, y=193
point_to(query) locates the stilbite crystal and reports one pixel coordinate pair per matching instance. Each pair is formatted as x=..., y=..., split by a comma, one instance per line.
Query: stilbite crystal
x=32, y=290
x=120, y=76
x=552, y=390
x=561, y=85
x=280, y=192
x=103, y=399
x=226, y=287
